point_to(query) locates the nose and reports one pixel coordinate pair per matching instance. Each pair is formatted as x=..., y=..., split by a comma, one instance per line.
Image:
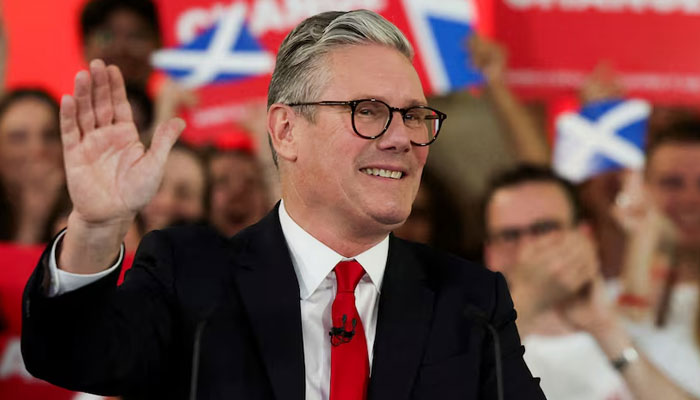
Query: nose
x=37, y=148
x=397, y=137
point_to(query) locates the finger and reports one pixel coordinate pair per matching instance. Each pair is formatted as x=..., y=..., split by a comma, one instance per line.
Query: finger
x=83, y=99
x=70, y=133
x=579, y=271
x=164, y=137
x=576, y=273
x=101, y=94
x=122, y=109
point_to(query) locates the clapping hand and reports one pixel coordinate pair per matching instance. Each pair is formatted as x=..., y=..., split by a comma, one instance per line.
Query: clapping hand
x=555, y=268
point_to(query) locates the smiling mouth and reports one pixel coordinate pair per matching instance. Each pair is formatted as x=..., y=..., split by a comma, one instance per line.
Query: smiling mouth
x=384, y=173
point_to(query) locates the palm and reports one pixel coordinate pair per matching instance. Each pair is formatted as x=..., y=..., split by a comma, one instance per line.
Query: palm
x=110, y=174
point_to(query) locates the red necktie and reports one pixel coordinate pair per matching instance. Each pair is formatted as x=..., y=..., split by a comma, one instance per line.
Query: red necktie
x=349, y=359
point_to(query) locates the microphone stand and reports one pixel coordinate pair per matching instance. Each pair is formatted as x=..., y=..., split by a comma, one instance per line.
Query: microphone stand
x=475, y=314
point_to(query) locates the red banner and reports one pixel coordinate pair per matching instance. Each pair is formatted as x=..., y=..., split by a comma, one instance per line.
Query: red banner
x=555, y=44
x=262, y=25
x=16, y=265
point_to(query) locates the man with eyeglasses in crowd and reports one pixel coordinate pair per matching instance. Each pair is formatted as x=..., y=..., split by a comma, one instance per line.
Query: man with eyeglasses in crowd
x=537, y=237
x=304, y=304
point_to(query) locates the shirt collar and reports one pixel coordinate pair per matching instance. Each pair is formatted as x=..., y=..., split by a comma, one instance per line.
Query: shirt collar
x=313, y=260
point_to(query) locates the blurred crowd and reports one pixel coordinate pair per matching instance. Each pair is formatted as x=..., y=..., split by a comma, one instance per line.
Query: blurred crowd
x=604, y=274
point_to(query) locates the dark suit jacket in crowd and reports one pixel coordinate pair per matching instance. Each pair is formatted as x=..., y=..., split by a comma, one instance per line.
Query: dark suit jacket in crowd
x=237, y=301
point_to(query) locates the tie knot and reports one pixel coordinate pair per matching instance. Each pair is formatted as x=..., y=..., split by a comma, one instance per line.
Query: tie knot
x=348, y=275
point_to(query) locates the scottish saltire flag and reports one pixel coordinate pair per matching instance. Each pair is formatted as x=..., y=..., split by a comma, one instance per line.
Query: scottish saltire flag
x=440, y=29
x=225, y=52
x=601, y=137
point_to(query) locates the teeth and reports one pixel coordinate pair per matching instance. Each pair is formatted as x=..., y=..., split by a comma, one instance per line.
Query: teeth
x=383, y=173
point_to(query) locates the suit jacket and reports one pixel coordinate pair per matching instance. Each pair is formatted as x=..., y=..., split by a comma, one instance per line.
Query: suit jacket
x=230, y=307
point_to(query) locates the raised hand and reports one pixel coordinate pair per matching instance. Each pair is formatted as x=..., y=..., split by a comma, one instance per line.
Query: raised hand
x=602, y=84
x=489, y=57
x=110, y=173
x=589, y=310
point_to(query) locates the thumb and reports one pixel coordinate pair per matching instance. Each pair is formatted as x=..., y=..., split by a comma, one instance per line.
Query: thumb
x=165, y=136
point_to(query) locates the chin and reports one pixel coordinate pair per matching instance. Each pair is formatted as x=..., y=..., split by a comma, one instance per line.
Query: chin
x=392, y=219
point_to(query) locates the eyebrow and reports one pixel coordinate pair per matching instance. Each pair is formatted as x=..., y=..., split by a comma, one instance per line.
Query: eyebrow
x=411, y=103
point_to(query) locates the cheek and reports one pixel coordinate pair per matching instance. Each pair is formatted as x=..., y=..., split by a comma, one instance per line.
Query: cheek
x=158, y=204
x=12, y=152
x=498, y=260
x=421, y=154
x=55, y=152
x=92, y=50
x=665, y=201
x=218, y=199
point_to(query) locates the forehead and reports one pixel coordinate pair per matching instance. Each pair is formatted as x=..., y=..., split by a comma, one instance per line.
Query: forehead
x=28, y=109
x=675, y=157
x=232, y=163
x=125, y=18
x=185, y=166
x=526, y=203
x=372, y=71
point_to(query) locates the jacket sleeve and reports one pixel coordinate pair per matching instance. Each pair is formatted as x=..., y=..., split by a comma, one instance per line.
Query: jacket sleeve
x=102, y=338
x=518, y=383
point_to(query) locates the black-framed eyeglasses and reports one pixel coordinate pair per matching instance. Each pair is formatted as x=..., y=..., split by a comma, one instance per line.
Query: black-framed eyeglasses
x=371, y=119
x=512, y=235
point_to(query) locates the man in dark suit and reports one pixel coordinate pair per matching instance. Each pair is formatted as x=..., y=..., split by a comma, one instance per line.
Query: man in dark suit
x=317, y=300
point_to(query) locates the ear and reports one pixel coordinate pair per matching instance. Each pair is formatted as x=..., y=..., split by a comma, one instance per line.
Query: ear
x=280, y=123
x=488, y=258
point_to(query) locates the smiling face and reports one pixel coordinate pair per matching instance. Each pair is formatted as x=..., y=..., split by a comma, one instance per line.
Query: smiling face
x=28, y=135
x=357, y=188
x=673, y=179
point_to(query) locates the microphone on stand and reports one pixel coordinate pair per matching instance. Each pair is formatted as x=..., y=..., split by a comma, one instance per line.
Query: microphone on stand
x=194, y=377
x=196, y=350
x=475, y=314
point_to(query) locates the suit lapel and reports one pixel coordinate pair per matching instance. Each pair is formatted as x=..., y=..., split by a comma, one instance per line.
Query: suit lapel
x=270, y=293
x=403, y=323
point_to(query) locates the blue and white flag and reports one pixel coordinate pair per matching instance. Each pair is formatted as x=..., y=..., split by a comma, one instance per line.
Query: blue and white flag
x=440, y=29
x=223, y=53
x=601, y=137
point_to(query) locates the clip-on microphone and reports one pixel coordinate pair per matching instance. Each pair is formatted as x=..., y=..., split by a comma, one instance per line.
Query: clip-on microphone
x=339, y=335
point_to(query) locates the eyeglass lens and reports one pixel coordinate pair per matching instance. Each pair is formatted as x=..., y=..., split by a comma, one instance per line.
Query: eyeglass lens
x=372, y=117
x=537, y=229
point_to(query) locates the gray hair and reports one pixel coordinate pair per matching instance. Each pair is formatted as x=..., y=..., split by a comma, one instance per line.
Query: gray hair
x=300, y=75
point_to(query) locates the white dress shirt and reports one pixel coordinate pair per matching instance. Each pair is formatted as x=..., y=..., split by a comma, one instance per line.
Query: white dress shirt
x=313, y=264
